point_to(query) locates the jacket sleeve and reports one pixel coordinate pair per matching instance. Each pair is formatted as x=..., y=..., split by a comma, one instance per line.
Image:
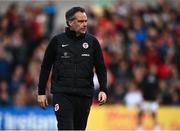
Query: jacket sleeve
x=100, y=67
x=46, y=66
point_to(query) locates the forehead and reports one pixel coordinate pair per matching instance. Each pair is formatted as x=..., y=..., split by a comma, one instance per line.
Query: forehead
x=81, y=15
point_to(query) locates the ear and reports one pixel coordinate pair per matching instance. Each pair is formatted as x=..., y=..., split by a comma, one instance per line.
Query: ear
x=70, y=23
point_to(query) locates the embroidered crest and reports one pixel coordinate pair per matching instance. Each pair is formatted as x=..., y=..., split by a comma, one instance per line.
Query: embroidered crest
x=85, y=45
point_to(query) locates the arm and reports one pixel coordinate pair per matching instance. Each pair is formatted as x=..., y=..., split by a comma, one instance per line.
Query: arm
x=101, y=72
x=46, y=66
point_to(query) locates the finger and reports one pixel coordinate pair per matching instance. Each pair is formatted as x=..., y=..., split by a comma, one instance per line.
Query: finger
x=43, y=104
x=99, y=97
x=46, y=102
x=102, y=98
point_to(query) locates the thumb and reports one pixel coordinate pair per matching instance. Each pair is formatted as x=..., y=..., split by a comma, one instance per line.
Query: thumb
x=99, y=97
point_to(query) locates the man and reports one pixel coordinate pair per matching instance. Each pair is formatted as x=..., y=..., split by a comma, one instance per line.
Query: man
x=150, y=91
x=73, y=55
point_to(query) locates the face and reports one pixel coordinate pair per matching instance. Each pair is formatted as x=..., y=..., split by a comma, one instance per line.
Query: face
x=79, y=24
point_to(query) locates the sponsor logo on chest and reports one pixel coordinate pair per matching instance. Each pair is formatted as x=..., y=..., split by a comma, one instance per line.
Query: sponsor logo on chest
x=65, y=55
x=85, y=54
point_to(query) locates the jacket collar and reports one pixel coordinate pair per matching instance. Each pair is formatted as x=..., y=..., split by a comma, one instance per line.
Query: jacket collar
x=72, y=34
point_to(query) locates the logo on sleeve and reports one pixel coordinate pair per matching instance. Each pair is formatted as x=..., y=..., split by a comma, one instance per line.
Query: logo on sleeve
x=85, y=45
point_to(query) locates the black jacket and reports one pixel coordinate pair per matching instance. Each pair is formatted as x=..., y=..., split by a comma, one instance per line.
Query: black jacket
x=73, y=60
x=150, y=87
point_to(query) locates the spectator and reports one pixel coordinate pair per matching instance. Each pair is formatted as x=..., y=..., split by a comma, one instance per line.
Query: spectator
x=4, y=96
x=133, y=96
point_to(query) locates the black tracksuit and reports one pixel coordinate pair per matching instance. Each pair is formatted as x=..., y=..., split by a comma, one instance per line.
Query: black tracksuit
x=73, y=60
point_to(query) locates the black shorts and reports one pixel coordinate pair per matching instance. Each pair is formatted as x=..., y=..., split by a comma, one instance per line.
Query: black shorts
x=71, y=111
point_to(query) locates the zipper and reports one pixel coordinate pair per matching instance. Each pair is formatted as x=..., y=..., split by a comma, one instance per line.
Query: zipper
x=75, y=75
x=75, y=69
x=75, y=62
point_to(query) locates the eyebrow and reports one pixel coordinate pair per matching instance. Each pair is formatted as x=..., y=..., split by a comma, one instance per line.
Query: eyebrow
x=82, y=20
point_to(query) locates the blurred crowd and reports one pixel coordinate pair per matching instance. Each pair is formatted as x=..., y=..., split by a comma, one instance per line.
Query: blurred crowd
x=135, y=40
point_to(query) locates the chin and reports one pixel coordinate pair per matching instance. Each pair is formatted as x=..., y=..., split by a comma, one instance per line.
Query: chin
x=83, y=31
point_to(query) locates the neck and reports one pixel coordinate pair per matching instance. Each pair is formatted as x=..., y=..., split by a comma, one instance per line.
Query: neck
x=71, y=33
x=77, y=33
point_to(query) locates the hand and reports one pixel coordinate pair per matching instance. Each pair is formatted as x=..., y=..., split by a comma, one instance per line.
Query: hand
x=42, y=100
x=102, y=97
